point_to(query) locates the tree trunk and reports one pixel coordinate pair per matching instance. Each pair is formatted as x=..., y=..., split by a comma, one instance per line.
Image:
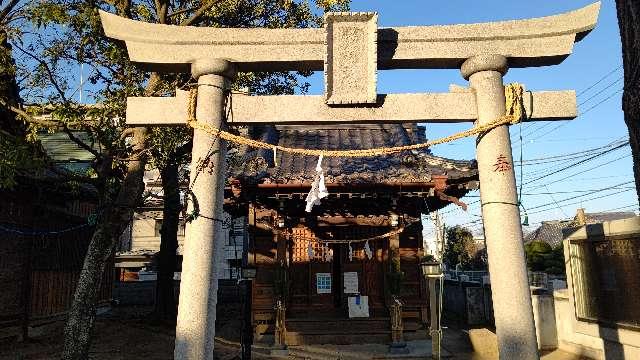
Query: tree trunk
x=165, y=300
x=114, y=220
x=629, y=23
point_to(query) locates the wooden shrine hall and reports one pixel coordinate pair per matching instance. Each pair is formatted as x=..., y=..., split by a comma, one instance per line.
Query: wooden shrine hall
x=306, y=265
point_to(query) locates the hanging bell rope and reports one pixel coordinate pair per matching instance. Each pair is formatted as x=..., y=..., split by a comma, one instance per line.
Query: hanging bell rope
x=514, y=106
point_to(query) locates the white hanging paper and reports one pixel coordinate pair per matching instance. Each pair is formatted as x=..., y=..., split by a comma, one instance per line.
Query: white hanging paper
x=350, y=252
x=358, y=306
x=329, y=255
x=318, y=188
x=310, y=251
x=367, y=251
x=275, y=156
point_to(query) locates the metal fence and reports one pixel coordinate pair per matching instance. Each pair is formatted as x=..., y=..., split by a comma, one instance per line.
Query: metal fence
x=537, y=279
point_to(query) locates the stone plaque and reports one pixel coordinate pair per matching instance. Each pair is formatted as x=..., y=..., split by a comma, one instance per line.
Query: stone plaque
x=351, y=62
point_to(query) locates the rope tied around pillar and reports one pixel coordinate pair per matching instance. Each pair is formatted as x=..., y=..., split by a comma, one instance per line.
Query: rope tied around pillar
x=514, y=114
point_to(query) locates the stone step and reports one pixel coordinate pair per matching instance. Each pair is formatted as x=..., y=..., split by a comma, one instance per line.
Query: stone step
x=343, y=326
x=294, y=339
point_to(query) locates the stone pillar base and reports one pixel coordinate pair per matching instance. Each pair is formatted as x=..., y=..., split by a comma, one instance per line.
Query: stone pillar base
x=399, y=348
x=279, y=351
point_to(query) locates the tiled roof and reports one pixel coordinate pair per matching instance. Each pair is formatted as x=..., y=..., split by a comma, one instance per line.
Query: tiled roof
x=61, y=149
x=551, y=231
x=414, y=166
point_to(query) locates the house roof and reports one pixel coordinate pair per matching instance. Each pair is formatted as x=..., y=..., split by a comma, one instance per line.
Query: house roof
x=551, y=231
x=407, y=167
x=61, y=149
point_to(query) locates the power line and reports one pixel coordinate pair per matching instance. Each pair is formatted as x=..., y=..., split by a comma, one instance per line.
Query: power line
x=573, y=191
x=588, y=88
x=580, y=162
x=582, y=114
x=601, y=91
x=578, y=202
x=563, y=157
x=584, y=171
x=539, y=128
x=600, y=80
x=603, y=101
x=546, y=170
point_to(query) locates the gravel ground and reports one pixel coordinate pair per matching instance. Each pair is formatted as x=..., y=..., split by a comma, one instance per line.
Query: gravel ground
x=124, y=334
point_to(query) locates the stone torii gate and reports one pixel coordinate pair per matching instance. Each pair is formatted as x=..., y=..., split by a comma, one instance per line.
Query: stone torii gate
x=350, y=49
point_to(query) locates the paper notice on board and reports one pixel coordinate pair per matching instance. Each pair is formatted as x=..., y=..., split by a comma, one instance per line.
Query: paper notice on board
x=350, y=282
x=358, y=306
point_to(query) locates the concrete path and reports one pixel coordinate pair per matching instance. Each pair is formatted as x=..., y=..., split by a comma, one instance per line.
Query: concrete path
x=456, y=346
x=417, y=349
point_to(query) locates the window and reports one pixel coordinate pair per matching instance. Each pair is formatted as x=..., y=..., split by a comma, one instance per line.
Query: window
x=158, y=228
x=323, y=283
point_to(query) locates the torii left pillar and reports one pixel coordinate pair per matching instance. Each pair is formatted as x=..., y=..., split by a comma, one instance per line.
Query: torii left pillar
x=195, y=328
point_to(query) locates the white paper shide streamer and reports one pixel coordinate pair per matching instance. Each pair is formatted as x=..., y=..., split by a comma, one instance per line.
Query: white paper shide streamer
x=310, y=251
x=318, y=188
x=367, y=251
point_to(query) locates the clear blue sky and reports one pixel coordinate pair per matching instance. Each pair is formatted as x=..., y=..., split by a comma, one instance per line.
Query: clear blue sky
x=594, y=57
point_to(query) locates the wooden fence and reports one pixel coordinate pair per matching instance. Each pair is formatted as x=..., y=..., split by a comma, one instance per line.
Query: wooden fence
x=42, y=251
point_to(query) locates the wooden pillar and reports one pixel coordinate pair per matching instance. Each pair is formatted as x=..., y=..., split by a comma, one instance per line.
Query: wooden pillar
x=195, y=327
x=282, y=280
x=395, y=305
x=515, y=328
x=434, y=318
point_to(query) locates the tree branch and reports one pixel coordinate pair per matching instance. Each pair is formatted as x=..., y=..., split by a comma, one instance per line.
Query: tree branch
x=73, y=177
x=191, y=20
x=28, y=117
x=52, y=78
x=81, y=143
x=182, y=11
x=7, y=9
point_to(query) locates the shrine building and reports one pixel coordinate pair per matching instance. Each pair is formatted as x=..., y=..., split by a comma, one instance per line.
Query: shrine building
x=334, y=285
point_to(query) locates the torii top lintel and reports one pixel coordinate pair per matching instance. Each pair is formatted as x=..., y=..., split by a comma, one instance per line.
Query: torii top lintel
x=530, y=42
x=350, y=48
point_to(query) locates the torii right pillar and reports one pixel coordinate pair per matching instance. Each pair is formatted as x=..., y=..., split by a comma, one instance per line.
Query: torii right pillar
x=515, y=327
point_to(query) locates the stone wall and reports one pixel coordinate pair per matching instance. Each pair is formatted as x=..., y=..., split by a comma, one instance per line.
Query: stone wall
x=597, y=337
x=468, y=302
x=144, y=292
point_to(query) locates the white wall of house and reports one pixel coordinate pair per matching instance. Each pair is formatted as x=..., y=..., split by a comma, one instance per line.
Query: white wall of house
x=146, y=236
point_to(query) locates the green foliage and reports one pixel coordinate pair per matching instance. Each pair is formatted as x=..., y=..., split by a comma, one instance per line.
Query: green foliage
x=17, y=155
x=428, y=258
x=67, y=33
x=461, y=249
x=70, y=33
x=542, y=257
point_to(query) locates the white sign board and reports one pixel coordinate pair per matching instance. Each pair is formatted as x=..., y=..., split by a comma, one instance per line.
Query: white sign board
x=358, y=306
x=323, y=283
x=350, y=282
